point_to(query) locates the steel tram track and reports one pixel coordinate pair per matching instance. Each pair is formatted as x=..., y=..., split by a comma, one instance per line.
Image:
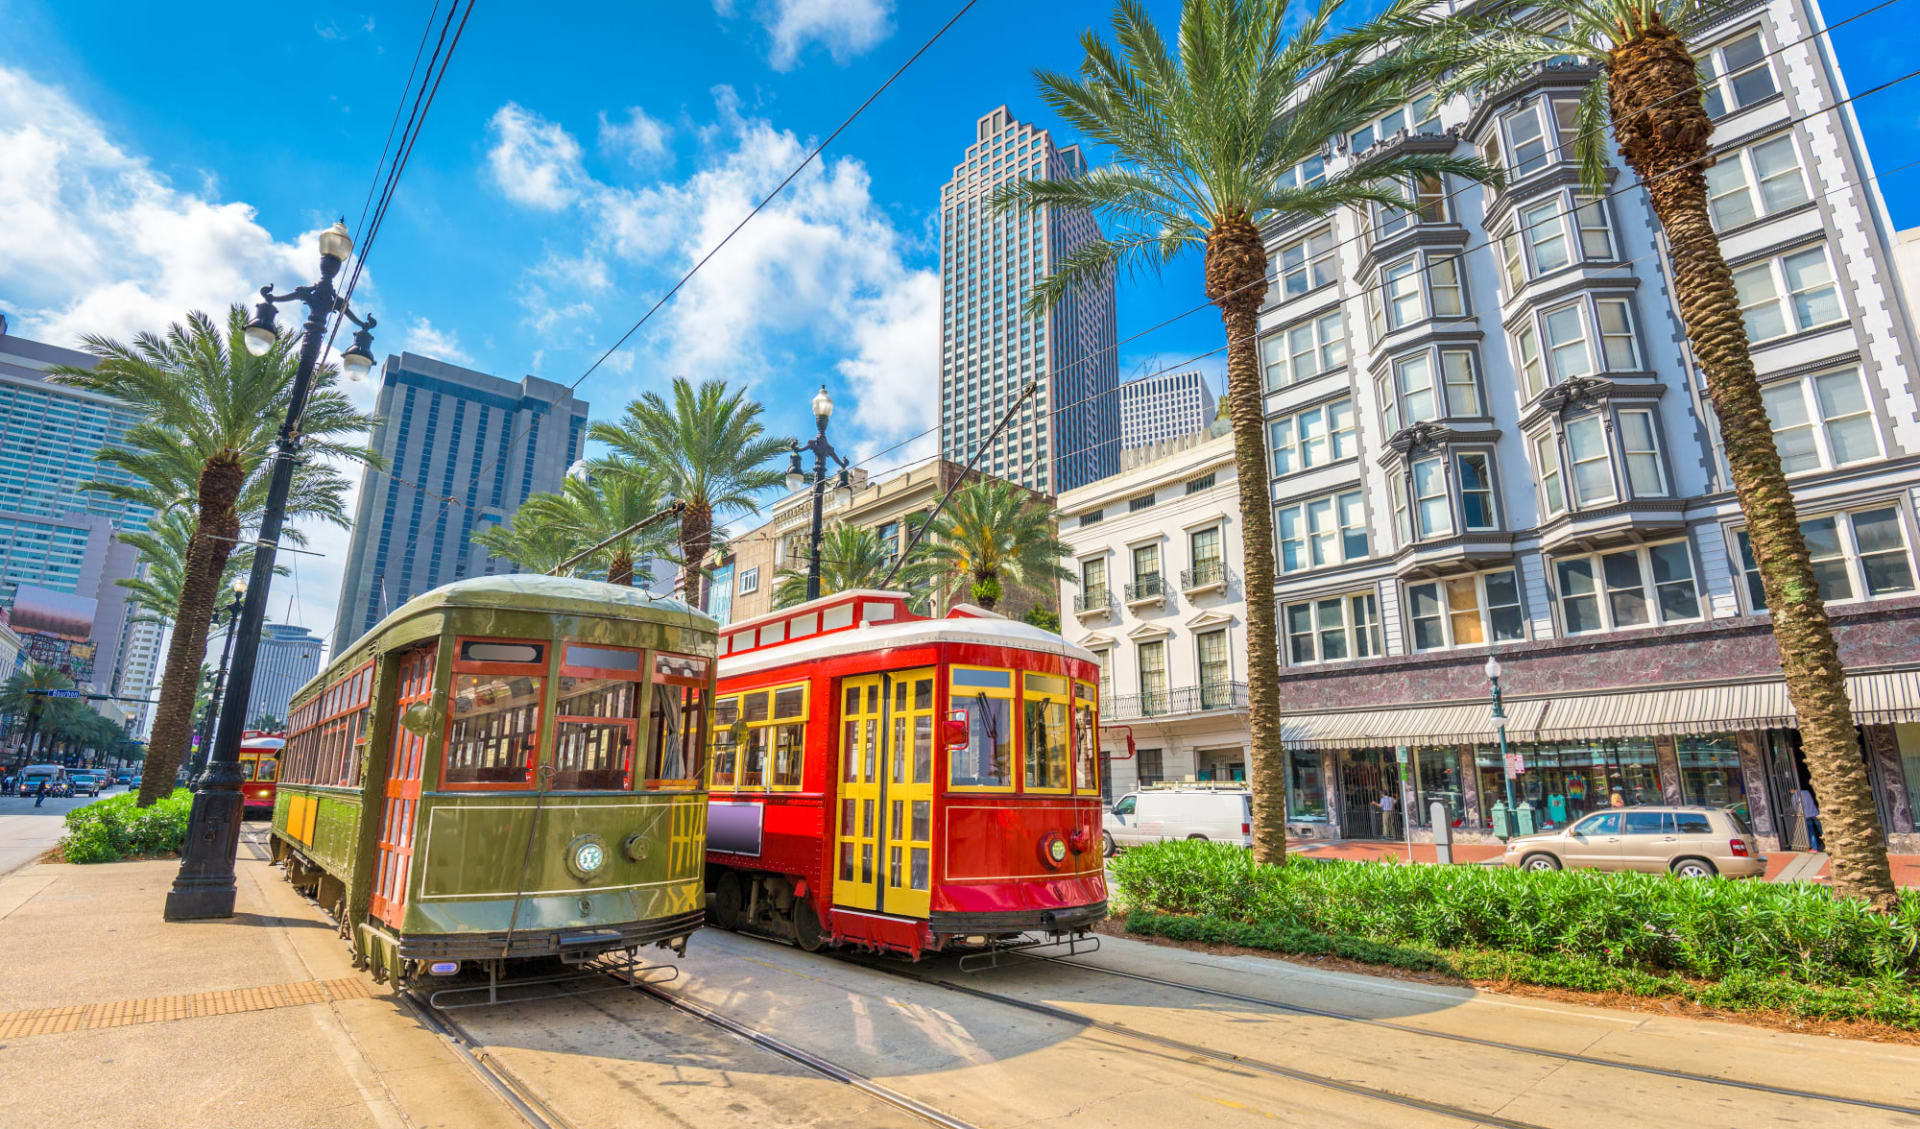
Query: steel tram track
x=1478, y=1041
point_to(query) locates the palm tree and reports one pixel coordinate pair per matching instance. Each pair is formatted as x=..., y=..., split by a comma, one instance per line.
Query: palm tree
x=851, y=556
x=992, y=535
x=1206, y=139
x=601, y=507
x=707, y=448
x=536, y=545
x=211, y=417
x=25, y=695
x=1647, y=92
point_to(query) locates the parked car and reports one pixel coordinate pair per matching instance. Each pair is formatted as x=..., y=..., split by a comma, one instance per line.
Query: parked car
x=1223, y=813
x=133, y=784
x=1692, y=842
x=88, y=783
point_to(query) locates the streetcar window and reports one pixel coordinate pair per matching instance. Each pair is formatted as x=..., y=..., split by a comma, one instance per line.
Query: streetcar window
x=754, y=706
x=482, y=651
x=753, y=770
x=987, y=759
x=1086, y=748
x=246, y=769
x=1046, y=719
x=676, y=736
x=268, y=768
x=726, y=752
x=983, y=679
x=597, y=724
x=790, y=702
x=602, y=658
x=494, y=736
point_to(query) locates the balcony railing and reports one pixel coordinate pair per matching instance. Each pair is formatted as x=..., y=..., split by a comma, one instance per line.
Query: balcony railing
x=1092, y=602
x=1204, y=698
x=1204, y=575
x=1148, y=589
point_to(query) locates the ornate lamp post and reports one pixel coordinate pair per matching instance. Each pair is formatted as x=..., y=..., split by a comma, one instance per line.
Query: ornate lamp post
x=220, y=679
x=205, y=885
x=1500, y=723
x=796, y=478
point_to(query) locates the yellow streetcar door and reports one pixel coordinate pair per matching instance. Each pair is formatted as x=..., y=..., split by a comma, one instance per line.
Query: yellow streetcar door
x=908, y=794
x=856, y=824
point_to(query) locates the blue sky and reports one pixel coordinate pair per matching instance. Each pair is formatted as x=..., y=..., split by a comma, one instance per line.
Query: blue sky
x=577, y=159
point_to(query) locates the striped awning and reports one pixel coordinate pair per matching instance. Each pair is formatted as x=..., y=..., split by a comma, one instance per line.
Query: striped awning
x=1879, y=697
x=1452, y=723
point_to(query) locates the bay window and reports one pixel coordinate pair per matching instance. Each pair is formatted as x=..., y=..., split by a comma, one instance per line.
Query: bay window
x=1640, y=451
x=1321, y=531
x=1399, y=302
x=1736, y=74
x=1304, y=351
x=1554, y=233
x=1312, y=438
x=1574, y=338
x=1591, y=471
x=1760, y=180
x=1303, y=265
x=1545, y=229
x=1474, y=472
x=1858, y=555
x=1540, y=134
x=1333, y=628
x=1546, y=461
x=1430, y=497
x=1422, y=115
x=1821, y=421
x=1463, y=611
x=1789, y=294
x=1463, y=394
x=1629, y=588
x=1414, y=378
x=1426, y=198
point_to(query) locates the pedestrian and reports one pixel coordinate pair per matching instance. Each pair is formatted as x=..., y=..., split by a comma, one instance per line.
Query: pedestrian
x=40, y=792
x=1617, y=800
x=1386, y=814
x=1805, y=807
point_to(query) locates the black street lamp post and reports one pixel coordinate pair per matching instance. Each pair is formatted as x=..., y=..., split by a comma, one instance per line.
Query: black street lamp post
x=233, y=608
x=1500, y=723
x=796, y=478
x=205, y=885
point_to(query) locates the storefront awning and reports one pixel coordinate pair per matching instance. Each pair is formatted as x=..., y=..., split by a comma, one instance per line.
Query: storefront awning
x=1879, y=697
x=1409, y=725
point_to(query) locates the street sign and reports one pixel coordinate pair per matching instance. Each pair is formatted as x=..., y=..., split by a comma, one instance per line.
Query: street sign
x=63, y=693
x=1516, y=764
x=1400, y=753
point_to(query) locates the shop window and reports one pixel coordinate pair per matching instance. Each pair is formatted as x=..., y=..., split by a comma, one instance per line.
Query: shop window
x=1858, y=555
x=1438, y=777
x=1710, y=774
x=1568, y=780
x=1465, y=610
x=1306, y=787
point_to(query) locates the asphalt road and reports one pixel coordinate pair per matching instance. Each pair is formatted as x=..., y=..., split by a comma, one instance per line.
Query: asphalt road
x=26, y=831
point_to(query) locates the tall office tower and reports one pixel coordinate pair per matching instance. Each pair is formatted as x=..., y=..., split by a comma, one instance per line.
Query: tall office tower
x=1155, y=408
x=62, y=542
x=288, y=659
x=1068, y=433
x=448, y=433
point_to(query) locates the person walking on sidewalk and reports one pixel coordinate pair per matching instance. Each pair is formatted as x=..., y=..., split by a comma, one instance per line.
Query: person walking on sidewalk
x=1805, y=807
x=40, y=792
x=1386, y=815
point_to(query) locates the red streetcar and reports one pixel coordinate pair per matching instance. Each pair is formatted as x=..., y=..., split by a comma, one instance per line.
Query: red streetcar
x=259, y=768
x=893, y=782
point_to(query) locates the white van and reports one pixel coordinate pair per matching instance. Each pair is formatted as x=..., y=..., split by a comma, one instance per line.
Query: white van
x=1220, y=812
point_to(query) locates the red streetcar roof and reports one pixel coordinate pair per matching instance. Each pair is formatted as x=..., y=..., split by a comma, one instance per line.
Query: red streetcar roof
x=965, y=627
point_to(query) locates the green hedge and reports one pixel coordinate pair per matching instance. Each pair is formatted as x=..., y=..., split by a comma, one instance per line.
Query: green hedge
x=114, y=828
x=1702, y=929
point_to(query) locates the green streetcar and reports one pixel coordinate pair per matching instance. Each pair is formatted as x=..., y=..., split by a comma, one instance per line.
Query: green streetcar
x=507, y=767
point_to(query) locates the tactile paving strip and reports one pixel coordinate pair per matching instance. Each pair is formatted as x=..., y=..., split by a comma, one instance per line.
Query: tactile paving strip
x=165, y=1009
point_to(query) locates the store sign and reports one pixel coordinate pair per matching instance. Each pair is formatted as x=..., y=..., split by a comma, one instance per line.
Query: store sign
x=1516, y=764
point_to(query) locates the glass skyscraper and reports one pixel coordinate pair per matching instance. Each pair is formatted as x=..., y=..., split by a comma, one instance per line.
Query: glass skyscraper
x=1069, y=433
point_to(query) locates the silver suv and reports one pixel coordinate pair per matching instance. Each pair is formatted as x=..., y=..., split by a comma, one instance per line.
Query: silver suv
x=1692, y=842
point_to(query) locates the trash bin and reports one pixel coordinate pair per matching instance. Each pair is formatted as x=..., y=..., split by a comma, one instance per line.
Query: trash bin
x=1523, y=818
x=1501, y=828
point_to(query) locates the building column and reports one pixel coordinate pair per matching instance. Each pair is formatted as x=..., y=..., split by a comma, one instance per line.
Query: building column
x=1883, y=753
x=1330, y=782
x=1666, y=754
x=1753, y=770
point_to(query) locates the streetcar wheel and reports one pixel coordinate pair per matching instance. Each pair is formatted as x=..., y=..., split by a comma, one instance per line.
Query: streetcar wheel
x=806, y=926
x=725, y=912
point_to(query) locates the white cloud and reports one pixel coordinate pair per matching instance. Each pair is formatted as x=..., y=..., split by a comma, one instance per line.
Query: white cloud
x=96, y=241
x=817, y=284
x=441, y=345
x=534, y=161
x=844, y=27
x=641, y=139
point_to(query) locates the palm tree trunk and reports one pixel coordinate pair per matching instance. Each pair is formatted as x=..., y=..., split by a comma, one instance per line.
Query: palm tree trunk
x=1236, y=265
x=620, y=568
x=207, y=555
x=696, y=537
x=1663, y=132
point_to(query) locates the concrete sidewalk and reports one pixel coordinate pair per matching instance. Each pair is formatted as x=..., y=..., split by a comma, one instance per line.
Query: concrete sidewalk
x=1782, y=866
x=111, y=1017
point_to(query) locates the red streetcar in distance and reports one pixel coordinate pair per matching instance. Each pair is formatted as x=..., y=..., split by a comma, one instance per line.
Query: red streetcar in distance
x=892, y=782
x=259, y=768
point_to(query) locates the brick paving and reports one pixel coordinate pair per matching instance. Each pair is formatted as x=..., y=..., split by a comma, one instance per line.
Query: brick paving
x=167, y=1009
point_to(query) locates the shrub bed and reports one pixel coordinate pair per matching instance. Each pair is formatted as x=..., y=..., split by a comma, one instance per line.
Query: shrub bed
x=111, y=829
x=1719, y=942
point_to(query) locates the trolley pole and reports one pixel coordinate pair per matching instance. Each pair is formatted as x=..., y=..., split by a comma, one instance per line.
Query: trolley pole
x=205, y=885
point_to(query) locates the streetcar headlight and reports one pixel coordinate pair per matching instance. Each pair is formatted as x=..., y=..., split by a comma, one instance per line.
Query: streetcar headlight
x=1057, y=850
x=586, y=856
